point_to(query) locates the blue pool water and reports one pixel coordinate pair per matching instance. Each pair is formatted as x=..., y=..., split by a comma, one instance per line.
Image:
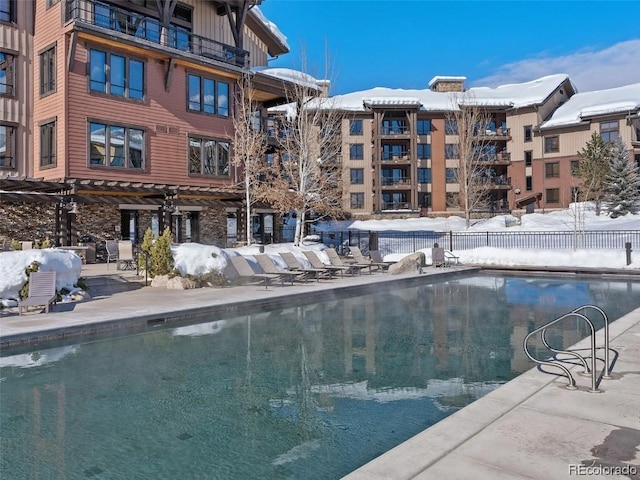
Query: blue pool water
x=307, y=392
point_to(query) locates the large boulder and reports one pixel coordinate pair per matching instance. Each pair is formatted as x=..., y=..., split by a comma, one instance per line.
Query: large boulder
x=410, y=264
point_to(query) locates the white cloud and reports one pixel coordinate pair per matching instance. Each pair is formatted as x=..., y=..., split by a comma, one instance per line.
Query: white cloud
x=589, y=69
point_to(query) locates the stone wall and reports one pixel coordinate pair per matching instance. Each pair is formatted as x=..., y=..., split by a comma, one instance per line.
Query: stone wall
x=27, y=221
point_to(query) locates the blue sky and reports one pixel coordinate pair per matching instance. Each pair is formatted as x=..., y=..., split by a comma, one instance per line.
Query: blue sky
x=403, y=44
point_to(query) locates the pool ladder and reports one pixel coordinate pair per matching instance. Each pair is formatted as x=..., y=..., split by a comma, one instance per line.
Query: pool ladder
x=556, y=362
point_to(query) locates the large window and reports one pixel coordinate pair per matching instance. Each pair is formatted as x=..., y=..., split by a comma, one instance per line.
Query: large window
x=357, y=200
x=552, y=170
x=116, y=75
x=575, y=168
x=209, y=157
x=424, y=151
x=553, y=195
x=452, y=175
x=357, y=176
x=116, y=146
x=450, y=126
x=551, y=144
x=7, y=79
x=7, y=146
x=609, y=131
x=396, y=151
x=424, y=175
x=208, y=96
x=528, y=183
x=356, y=151
x=48, y=144
x=451, y=151
x=394, y=126
x=7, y=10
x=528, y=158
x=424, y=126
x=355, y=127
x=48, y=71
x=528, y=133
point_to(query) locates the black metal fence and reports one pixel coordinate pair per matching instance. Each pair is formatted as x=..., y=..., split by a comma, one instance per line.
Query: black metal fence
x=407, y=242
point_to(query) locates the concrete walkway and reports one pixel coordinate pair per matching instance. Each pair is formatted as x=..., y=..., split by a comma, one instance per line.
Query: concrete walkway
x=532, y=427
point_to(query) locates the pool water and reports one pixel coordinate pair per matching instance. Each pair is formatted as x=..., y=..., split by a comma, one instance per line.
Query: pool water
x=307, y=392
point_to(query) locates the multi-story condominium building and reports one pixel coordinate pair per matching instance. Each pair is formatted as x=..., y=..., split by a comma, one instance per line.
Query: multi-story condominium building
x=117, y=116
x=400, y=147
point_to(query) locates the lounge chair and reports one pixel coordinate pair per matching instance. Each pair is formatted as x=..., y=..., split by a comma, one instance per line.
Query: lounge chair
x=42, y=291
x=335, y=259
x=362, y=260
x=247, y=274
x=294, y=265
x=125, y=256
x=112, y=251
x=315, y=262
x=437, y=257
x=268, y=266
x=376, y=256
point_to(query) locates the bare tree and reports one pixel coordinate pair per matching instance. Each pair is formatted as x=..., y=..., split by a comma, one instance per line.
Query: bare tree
x=249, y=146
x=307, y=176
x=468, y=121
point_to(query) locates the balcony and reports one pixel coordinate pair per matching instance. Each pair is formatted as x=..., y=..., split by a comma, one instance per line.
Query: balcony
x=493, y=133
x=404, y=156
x=97, y=16
x=499, y=182
x=395, y=181
x=501, y=158
x=395, y=130
x=396, y=206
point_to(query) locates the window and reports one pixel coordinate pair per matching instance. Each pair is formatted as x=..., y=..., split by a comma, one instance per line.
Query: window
x=529, y=183
x=452, y=199
x=51, y=3
x=452, y=175
x=7, y=79
x=116, y=146
x=424, y=199
x=356, y=151
x=551, y=144
x=48, y=144
x=396, y=151
x=553, y=195
x=208, y=96
x=575, y=167
x=357, y=176
x=7, y=10
x=424, y=175
x=528, y=133
x=424, y=151
x=424, y=126
x=450, y=126
x=355, y=127
x=7, y=146
x=552, y=170
x=357, y=200
x=609, y=131
x=528, y=158
x=116, y=75
x=209, y=157
x=48, y=71
x=394, y=126
x=451, y=150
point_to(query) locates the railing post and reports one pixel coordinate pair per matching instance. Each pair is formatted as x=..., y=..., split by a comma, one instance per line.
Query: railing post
x=450, y=240
x=627, y=247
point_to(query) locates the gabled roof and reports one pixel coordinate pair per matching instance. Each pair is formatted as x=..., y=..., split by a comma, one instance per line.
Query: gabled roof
x=582, y=106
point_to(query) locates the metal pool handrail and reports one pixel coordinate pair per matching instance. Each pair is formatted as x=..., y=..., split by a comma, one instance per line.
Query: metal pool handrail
x=558, y=363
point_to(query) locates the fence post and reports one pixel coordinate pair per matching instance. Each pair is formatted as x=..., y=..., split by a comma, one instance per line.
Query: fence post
x=487, y=239
x=450, y=240
x=627, y=247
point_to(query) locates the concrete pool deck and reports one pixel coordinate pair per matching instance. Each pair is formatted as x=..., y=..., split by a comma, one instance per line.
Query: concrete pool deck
x=532, y=427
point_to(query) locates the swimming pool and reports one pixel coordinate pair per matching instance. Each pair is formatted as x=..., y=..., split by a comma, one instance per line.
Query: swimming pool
x=312, y=391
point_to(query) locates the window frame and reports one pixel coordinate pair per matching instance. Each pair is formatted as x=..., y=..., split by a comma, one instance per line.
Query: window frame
x=609, y=131
x=423, y=175
x=10, y=74
x=354, y=148
x=8, y=15
x=552, y=144
x=216, y=158
x=451, y=151
x=552, y=192
x=128, y=164
x=528, y=133
x=214, y=108
x=528, y=180
x=358, y=204
x=452, y=174
x=48, y=143
x=552, y=170
x=420, y=123
x=48, y=74
x=528, y=158
x=420, y=150
x=354, y=130
x=10, y=138
x=356, y=176
x=107, y=75
x=451, y=126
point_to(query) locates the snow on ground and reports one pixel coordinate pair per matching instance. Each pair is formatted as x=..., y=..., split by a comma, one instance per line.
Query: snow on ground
x=196, y=259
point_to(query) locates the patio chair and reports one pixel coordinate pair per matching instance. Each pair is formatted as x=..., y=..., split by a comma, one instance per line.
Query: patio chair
x=335, y=259
x=247, y=274
x=293, y=264
x=315, y=262
x=360, y=259
x=437, y=257
x=42, y=291
x=376, y=256
x=125, y=256
x=112, y=251
x=268, y=266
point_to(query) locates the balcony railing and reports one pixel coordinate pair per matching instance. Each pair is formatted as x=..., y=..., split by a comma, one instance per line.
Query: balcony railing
x=402, y=155
x=395, y=180
x=493, y=132
x=397, y=130
x=396, y=206
x=501, y=157
x=140, y=26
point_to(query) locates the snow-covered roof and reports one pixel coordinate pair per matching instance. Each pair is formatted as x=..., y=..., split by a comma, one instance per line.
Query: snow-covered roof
x=272, y=27
x=601, y=102
x=390, y=101
x=290, y=75
x=444, y=78
x=516, y=95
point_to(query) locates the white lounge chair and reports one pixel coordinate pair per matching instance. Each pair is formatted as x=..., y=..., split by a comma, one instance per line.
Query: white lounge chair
x=125, y=259
x=42, y=291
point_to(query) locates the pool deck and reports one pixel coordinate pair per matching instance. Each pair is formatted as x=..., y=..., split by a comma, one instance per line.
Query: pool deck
x=530, y=428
